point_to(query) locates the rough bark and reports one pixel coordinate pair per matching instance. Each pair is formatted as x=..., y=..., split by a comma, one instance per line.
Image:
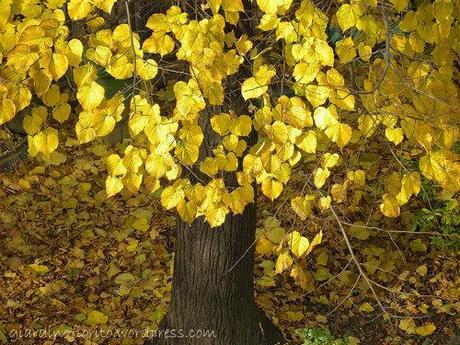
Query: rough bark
x=208, y=294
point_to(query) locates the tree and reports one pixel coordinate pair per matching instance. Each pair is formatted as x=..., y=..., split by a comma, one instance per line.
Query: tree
x=225, y=98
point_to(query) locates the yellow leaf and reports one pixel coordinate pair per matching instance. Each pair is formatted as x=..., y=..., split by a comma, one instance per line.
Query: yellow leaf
x=79, y=9
x=242, y=126
x=264, y=74
x=42, y=81
x=324, y=52
x=159, y=43
x=345, y=49
x=74, y=52
x=431, y=165
x=317, y=94
x=365, y=52
x=187, y=211
x=171, y=196
x=358, y=177
x=348, y=15
x=316, y=241
x=46, y=141
x=410, y=185
x=272, y=188
x=268, y=22
x=339, y=133
x=216, y=216
x=409, y=22
x=233, y=6
x=33, y=122
x=101, y=55
x=297, y=243
x=58, y=65
x=221, y=123
x=7, y=110
x=320, y=176
x=120, y=67
x=62, y=112
x=243, y=45
x=188, y=147
x=283, y=262
x=84, y=74
x=426, y=330
x=20, y=95
x=303, y=206
x=90, y=95
x=113, y=185
x=274, y=6
x=133, y=181
x=21, y=57
x=343, y=99
x=38, y=269
x=407, y=325
x=395, y=135
x=303, y=278
x=52, y=96
x=105, y=5
x=142, y=115
x=305, y=73
x=95, y=317
x=393, y=183
x=264, y=246
x=115, y=166
x=324, y=203
x=422, y=270
x=251, y=89
x=400, y=4
x=325, y=117
x=390, y=206
x=5, y=6
x=307, y=142
x=366, y=307
x=148, y=69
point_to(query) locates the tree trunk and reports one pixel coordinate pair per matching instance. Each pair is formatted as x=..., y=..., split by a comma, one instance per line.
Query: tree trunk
x=212, y=296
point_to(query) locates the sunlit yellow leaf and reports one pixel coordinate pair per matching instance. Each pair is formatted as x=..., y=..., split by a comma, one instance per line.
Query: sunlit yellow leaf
x=320, y=176
x=113, y=185
x=7, y=110
x=345, y=49
x=339, y=133
x=79, y=9
x=171, y=196
x=90, y=95
x=46, y=141
x=62, y=112
x=272, y=188
x=283, y=262
x=348, y=15
x=251, y=89
x=159, y=43
x=297, y=243
x=395, y=135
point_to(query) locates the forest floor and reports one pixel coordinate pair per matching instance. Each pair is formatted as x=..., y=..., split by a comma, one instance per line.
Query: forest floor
x=70, y=259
